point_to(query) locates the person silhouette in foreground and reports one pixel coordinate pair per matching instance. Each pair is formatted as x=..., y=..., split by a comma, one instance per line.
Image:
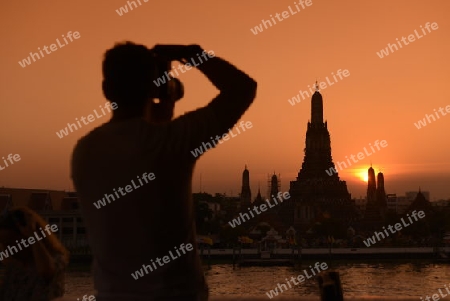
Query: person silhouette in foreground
x=34, y=270
x=143, y=238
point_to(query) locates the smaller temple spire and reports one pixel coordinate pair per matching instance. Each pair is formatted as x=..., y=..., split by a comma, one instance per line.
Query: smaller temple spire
x=317, y=86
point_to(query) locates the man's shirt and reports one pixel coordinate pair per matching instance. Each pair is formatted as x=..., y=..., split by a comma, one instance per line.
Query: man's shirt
x=146, y=222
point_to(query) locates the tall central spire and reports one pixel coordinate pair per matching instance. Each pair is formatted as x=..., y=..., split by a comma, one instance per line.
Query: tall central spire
x=318, y=145
x=317, y=108
x=318, y=188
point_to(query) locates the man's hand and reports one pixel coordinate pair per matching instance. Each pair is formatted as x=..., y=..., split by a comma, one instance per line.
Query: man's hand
x=181, y=53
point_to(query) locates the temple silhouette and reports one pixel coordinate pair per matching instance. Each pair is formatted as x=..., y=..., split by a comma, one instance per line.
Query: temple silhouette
x=314, y=194
x=246, y=193
x=319, y=200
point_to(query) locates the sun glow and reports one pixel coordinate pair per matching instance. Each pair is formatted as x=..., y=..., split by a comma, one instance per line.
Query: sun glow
x=362, y=174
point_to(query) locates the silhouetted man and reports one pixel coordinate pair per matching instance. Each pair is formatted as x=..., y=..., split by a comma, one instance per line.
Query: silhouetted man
x=133, y=176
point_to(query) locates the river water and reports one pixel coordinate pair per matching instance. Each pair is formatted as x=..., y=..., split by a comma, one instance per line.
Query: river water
x=381, y=278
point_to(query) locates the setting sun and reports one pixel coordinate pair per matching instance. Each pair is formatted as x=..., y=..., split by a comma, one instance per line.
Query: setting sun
x=362, y=174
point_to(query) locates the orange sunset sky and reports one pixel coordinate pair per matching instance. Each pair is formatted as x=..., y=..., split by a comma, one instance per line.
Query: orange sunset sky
x=380, y=100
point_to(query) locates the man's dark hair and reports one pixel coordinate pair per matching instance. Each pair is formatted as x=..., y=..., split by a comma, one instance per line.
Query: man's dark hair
x=128, y=71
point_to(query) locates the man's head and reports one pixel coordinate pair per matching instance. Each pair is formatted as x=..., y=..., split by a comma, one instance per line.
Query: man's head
x=128, y=73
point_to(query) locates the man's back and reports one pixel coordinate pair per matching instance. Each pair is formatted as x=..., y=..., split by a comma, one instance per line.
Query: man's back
x=134, y=179
x=108, y=170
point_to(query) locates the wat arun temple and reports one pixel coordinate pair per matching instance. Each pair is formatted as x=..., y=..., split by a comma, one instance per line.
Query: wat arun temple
x=315, y=195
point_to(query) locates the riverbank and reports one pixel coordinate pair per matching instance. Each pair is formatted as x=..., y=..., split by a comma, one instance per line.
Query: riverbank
x=335, y=253
x=228, y=256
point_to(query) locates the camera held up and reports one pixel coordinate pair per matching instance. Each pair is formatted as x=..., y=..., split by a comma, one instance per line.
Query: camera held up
x=173, y=90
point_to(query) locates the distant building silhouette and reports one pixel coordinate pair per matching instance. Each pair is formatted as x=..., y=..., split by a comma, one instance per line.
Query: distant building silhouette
x=376, y=206
x=5, y=202
x=273, y=185
x=381, y=195
x=421, y=203
x=259, y=199
x=273, y=216
x=59, y=208
x=413, y=194
x=70, y=203
x=37, y=199
x=40, y=201
x=371, y=186
x=397, y=203
x=246, y=194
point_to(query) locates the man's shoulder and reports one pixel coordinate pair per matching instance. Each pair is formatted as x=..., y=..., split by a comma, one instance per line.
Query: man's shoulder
x=103, y=134
x=204, y=117
x=92, y=138
x=107, y=128
x=84, y=147
x=88, y=138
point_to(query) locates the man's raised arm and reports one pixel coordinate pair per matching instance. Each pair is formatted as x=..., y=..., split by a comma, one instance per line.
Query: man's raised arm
x=196, y=129
x=237, y=90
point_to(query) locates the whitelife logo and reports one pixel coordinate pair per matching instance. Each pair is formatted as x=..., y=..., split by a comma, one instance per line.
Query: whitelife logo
x=166, y=259
x=90, y=118
x=411, y=38
x=124, y=9
x=284, y=15
x=436, y=296
x=86, y=298
x=423, y=122
x=360, y=156
x=53, y=48
x=169, y=75
x=398, y=227
x=146, y=177
x=31, y=240
x=321, y=86
x=10, y=158
x=301, y=278
x=263, y=207
x=206, y=146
